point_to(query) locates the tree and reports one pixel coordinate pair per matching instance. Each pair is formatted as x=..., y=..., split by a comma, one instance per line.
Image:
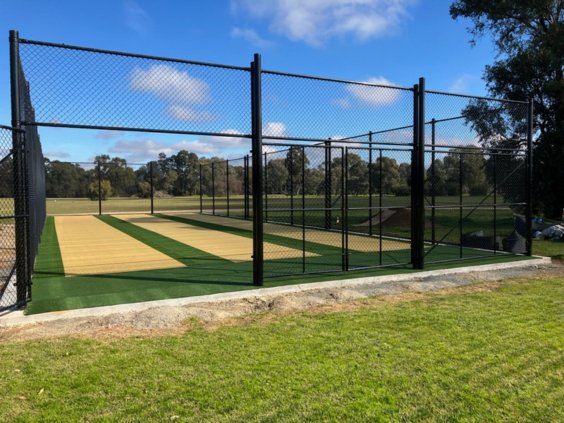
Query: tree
x=529, y=38
x=106, y=188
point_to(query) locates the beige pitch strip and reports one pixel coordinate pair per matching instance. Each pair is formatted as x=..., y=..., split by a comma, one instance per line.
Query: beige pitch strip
x=356, y=242
x=90, y=247
x=228, y=246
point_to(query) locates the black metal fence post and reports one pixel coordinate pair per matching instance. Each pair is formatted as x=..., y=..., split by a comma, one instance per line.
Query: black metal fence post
x=414, y=176
x=213, y=187
x=370, y=183
x=18, y=143
x=346, y=201
x=256, y=109
x=227, y=169
x=265, y=188
x=495, y=201
x=380, y=205
x=303, y=211
x=433, y=198
x=152, y=187
x=460, y=200
x=201, y=193
x=291, y=164
x=342, y=217
x=99, y=189
x=529, y=187
x=328, y=217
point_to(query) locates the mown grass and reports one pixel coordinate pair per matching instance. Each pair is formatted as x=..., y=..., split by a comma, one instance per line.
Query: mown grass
x=487, y=355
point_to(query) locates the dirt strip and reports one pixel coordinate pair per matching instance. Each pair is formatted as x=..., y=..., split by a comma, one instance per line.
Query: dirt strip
x=173, y=320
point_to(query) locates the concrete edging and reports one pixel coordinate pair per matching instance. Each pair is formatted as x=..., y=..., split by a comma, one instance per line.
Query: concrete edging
x=16, y=318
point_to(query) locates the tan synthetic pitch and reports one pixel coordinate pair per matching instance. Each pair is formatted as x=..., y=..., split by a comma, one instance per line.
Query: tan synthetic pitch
x=228, y=246
x=90, y=247
x=356, y=242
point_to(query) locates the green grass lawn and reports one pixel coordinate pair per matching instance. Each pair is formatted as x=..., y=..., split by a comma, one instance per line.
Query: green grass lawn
x=471, y=355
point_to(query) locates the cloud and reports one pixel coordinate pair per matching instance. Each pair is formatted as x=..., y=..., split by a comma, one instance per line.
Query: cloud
x=460, y=85
x=274, y=129
x=135, y=17
x=108, y=134
x=168, y=83
x=366, y=95
x=251, y=36
x=315, y=21
x=57, y=154
x=188, y=114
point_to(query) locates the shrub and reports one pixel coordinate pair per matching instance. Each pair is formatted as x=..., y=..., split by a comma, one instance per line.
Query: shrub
x=144, y=190
x=401, y=191
x=479, y=189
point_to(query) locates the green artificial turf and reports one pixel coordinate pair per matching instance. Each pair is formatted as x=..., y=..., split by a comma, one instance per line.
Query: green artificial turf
x=205, y=273
x=476, y=354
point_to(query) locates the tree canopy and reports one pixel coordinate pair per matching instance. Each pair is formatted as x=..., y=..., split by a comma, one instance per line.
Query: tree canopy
x=529, y=38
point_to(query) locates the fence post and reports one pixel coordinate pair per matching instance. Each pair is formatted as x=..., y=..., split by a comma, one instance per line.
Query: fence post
x=328, y=201
x=18, y=142
x=152, y=186
x=303, y=212
x=291, y=186
x=346, y=208
x=460, y=201
x=201, y=194
x=433, y=199
x=213, y=188
x=380, y=205
x=495, y=200
x=265, y=188
x=370, y=177
x=529, y=183
x=421, y=177
x=99, y=188
x=227, y=169
x=414, y=176
x=256, y=109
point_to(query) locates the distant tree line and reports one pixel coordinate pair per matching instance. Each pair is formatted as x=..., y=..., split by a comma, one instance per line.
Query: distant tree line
x=292, y=171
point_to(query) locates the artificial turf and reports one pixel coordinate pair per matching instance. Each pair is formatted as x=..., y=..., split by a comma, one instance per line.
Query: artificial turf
x=204, y=274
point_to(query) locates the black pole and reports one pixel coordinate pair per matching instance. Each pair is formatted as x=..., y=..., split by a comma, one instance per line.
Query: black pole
x=414, y=176
x=380, y=204
x=495, y=201
x=303, y=212
x=256, y=109
x=433, y=199
x=343, y=192
x=420, y=180
x=460, y=200
x=328, y=184
x=227, y=166
x=18, y=146
x=265, y=189
x=346, y=199
x=152, y=186
x=201, y=199
x=99, y=189
x=291, y=186
x=370, y=175
x=529, y=183
x=213, y=188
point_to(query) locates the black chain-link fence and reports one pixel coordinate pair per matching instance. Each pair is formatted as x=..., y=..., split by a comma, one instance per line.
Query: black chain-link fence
x=353, y=175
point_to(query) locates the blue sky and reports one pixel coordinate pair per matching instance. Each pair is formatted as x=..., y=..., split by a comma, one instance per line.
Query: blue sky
x=384, y=41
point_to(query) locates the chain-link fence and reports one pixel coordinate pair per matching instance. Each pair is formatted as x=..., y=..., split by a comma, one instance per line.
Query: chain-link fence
x=352, y=175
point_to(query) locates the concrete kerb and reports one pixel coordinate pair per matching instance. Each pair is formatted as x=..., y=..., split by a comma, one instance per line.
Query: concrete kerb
x=16, y=318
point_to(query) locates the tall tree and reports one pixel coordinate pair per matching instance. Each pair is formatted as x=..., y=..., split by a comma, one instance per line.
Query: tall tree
x=529, y=38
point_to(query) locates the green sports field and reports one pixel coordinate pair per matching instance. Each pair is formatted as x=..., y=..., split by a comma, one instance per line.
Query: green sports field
x=201, y=272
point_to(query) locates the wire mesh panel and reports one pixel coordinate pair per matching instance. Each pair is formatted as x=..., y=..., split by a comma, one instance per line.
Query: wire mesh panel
x=476, y=177
x=8, y=295
x=378, y=188
x=302, y=107
x=237, y=187
x=92, y=88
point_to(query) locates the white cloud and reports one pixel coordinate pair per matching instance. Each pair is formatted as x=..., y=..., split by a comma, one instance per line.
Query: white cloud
x=57, y=154
x=135, y=17
x=367, y=95
x=109, y=134
x=274, y=129
x=460, y=85
x=188, y=114
x=251, y=36
x=315, y=21
x=168, y=83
